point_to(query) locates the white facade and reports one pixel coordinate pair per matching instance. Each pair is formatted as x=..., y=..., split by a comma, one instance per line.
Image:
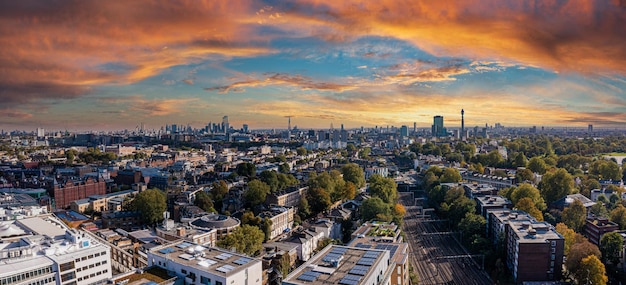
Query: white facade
x=54, y=254
x=206, y=265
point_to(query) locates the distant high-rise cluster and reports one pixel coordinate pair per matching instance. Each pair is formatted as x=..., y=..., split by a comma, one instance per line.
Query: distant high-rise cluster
x=437, y=128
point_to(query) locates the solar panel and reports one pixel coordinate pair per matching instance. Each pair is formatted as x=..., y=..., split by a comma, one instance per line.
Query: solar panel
x=225, y=268
x=309, y=276
x=360, y=270
x=363, y=245
x=339, y=250
x=371, y=254
x=183, y=245
x=224, y=256
x=167, y=250
x=207, y=262
x=391, y=248
x=366, y=261
x=242, y=261
x=350, y=280
x=331, y=256
x=186, y=256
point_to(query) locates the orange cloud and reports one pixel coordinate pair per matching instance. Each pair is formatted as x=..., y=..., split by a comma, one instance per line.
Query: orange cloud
x=578, y=35
x=60, y=50
x=151, y=107
x=299, y=81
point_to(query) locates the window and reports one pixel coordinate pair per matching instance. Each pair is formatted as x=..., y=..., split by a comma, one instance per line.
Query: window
x=68, y=276
x=218, y=283
x=66, y=266
x=183, y=271
x=553, y=243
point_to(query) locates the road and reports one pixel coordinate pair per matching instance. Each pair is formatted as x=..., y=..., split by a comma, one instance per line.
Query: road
x=436, y=255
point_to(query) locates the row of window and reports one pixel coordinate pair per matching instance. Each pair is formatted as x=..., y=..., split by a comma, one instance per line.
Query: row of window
x=92, y=275
x=49, y=280
x=91, y=266
x=207, y=281
x=90, y=256
x=18, y=278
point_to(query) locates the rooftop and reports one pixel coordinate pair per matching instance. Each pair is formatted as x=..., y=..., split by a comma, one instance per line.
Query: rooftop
x=338, y=265
x=534, y=232
x=210, y=259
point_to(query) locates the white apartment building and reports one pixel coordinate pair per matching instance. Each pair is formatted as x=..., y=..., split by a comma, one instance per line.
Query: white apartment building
x=43, y=251
x=197, y=264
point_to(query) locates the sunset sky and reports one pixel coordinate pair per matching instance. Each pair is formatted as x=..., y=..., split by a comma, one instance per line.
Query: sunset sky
x=107, y=65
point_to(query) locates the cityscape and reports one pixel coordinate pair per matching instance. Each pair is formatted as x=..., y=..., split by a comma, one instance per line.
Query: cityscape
x=313, y=142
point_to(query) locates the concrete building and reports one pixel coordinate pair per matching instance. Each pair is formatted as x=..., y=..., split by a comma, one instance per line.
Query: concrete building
x=485, y=203
x=306, y=241
x=224, y=225
x=534, y=251
x=344, y=265
x=44, y=251
x=437, y=128
x=398, y=251
x=196, y=264
x=596, y=227
x=282, y=220
x=498, y=219
x=289, y=197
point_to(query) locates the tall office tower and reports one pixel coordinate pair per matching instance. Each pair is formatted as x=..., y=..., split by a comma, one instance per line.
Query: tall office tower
x=41, y=132
x=414, y=127
x=289, y=124
x=590, y=128
x=437, y=129
x=225, y=125
x=245, y=128
x=462, y=124
x=404, y=131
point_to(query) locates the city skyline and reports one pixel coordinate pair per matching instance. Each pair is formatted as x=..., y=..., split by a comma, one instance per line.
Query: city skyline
x=113, y=65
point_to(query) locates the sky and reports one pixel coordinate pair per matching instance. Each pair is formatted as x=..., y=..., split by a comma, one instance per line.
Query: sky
x=110, y=65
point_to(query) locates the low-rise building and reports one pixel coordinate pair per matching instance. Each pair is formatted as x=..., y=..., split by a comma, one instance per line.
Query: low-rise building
x=344, y=265
x=224, y=225
x=484, y=203
x=49, y=253
x=596, y=227
x=196, y=264
x=289, y=197
x=282, y=220
x=534, y=251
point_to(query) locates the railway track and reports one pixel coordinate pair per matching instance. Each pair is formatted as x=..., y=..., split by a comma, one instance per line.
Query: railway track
x=436, y=254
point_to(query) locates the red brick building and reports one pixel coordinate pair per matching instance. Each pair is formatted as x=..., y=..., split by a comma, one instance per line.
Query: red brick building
x=65, y=193
x=595, y=228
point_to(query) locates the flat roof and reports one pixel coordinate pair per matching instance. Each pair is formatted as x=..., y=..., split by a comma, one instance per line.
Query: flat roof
x=354, y=265
x=534, y=232
x=214, y=260
x=42, y=227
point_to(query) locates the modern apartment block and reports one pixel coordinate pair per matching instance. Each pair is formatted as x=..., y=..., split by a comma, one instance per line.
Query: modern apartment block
x=70, y=191
x=343, y=265
x=534, y=251
x=197, y=264
x=43, y=251
x=596, y=227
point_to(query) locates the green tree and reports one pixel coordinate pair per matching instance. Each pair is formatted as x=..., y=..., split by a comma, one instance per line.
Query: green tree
x=256, y=193
x=301, y=150
x=352, y=172
x=611, y=246
x=618, y=216
x=246, y=239
x=349, y=190
x=536, y=165
x=284, y=168
x=459, y=208
x=303, y=208
x=524, y=175
x=266, y=227
x=526, y=190
x=219, y=189
x=319, y=200
x=450, y=175
x=384, y=188
x=204, y=201
x=151, y=204
x=365, y=153
x=527, y=205
x=556, y=185
x=577, y=252
x=246, y=169
x=270, y=178
x=284, y=264
x=248, y=218
x=599, y=210
x=605, y=169
x=574, y=215
x=472, y=224
x=591, y=271
x=375, y=209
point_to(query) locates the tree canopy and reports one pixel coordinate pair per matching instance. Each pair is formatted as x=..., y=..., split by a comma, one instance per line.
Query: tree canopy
x=256, y=193
x=352, y=172
x=246, y=239
x=151, y=204
x=611, y=246
x=204, y=201
x=384, y=188
x=555, y=185
x=574, y=215
x=591, y=271
x=375, y=209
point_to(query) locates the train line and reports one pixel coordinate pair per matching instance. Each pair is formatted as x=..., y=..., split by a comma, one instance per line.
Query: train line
x=436, y=255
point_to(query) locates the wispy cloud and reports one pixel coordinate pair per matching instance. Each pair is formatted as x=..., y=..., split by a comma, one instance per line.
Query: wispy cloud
x=298, y=81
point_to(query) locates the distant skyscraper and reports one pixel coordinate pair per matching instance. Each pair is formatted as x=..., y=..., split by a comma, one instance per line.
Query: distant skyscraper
x=414, y=127
x=225, y=124
x=437, y=129
x=245, y=128
x=289, y=124
x=462, y=124
x=590, y=128
x=404, y=131
x=41, y=132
